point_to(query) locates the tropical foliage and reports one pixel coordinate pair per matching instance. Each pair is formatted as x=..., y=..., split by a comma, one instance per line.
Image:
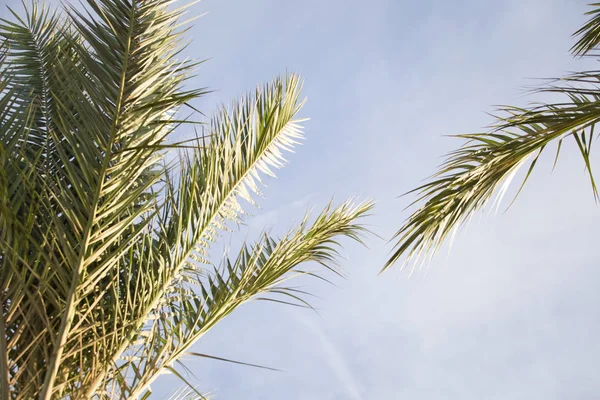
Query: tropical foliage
x=486, y=163
x=105, y=274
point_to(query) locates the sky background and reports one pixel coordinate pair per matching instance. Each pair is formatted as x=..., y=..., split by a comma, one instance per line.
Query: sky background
x=512, y=311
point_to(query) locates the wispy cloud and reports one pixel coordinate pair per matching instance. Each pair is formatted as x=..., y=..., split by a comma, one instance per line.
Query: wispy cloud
x=333, y=358
x=272, y=218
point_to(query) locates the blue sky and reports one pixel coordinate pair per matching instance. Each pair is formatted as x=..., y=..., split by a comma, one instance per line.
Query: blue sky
x=512, y=311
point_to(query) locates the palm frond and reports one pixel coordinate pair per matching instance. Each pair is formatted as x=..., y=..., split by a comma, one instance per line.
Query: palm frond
x=259, y=271
x=589, y=34
x=487, y=162
x=242, y=144
x=32, y=47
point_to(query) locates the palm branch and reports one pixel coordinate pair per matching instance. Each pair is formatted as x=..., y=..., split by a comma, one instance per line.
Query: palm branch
x=105, y=272
x=485, y=165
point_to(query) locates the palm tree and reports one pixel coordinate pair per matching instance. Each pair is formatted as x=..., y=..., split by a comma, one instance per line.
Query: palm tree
x=484, y=166
x=105, y=274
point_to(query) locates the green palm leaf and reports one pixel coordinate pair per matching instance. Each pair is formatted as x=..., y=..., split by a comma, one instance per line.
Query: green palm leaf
x=485, y=165
x=259, y=271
